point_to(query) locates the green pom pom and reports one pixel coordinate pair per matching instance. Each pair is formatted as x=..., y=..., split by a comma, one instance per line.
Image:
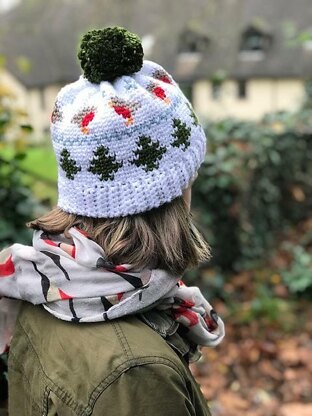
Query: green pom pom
x=109, y=53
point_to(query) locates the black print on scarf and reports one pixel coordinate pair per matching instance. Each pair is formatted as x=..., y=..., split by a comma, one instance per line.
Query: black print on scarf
x=45, y=282
x=72, y=309
x=133, y=280
x=44, y=236
x=57, y=261
x=136, y=282
x=106, y=303
x=214, y=316
x=102, y=263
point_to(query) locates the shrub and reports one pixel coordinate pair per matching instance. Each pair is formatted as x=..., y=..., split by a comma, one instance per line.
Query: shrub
x=298, y=277
x=17, y=204
x=255, y=182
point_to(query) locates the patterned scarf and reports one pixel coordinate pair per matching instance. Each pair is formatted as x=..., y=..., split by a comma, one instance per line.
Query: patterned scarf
x=73, y=281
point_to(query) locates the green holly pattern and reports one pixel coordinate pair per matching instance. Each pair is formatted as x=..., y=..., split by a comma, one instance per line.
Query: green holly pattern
x=69, y=165
x=148, y=153
x=181, y=133
x=103, y=164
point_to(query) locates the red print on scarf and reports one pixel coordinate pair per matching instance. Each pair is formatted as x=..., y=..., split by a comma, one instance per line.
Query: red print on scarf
x=64, y=295
x=211, y=324
x=188, y=314
x=120, y=269
x=7, y=268
x=50, y=243
x=120, y=295
x=82, y=232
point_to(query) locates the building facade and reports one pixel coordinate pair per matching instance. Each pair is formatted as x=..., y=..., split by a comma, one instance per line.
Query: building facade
x=232, y=58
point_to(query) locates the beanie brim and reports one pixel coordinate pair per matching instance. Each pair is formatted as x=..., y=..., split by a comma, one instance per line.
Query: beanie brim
x=120, y=199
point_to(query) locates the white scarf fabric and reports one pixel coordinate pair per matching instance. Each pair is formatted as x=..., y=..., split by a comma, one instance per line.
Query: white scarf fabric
x=73, y=281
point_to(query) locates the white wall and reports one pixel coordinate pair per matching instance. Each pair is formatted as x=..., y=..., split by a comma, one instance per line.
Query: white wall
x=9, y=85
x=37, y=103
x=263, y=96
x=40, y=106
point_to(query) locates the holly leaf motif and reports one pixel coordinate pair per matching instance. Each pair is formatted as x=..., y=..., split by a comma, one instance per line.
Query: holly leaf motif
x=69, y=165
x=148, y=153
x=182, y=134
x=103, y=164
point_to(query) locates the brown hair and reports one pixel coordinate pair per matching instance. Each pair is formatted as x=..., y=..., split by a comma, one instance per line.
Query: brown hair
x=163, y=237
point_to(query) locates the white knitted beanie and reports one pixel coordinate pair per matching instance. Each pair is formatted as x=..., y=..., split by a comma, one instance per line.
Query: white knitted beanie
x=126, y=139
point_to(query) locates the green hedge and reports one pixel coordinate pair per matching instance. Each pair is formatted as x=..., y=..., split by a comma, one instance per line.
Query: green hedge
x=256, y=182
x=17, y=204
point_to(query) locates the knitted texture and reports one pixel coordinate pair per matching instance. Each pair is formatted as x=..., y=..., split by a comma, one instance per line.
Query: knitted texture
x=108, y=53
x=124, y=146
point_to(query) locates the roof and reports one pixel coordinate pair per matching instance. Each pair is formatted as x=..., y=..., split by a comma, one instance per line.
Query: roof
x=39, y=38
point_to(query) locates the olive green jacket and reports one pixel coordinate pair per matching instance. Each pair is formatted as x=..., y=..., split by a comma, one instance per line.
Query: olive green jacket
x=117, y=368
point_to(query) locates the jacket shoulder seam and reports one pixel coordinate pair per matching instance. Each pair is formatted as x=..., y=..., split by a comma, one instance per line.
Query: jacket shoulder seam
x=122, y=339
x=126, y=366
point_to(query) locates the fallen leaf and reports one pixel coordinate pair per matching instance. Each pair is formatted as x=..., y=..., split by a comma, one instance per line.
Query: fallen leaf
x=296, y=409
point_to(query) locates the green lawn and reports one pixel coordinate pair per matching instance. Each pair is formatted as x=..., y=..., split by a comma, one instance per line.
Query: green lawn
x=41, y=161
x=41, y=165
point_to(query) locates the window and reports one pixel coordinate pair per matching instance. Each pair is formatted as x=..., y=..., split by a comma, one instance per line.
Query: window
x=242, y=89
x=255, y=40
x=216, y=90
x=193, y=42
x=217, y=80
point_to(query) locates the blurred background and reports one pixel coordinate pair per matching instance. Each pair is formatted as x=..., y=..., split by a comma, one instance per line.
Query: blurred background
x=246, y=66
